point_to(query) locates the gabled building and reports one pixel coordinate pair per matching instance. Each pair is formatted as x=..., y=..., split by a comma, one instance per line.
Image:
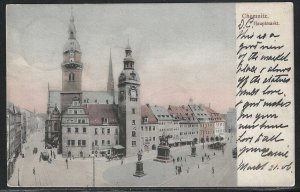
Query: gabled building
x=149, y=129
x=166, y=124
x=188, y=123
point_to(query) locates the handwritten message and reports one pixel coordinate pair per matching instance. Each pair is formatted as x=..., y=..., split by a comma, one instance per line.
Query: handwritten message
x=264, y=96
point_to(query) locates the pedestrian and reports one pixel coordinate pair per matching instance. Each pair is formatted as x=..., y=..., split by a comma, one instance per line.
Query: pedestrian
x=51, y=152
x=208, y=157
x=202, y=159
x=122, y=161
x=185, y=159
x=205, y=154
x=213, y=170
x=181, y=158
x=67, y=163
x=214, y=154
x=176, y=169
x=33, y=171
x=198, y=166
x=173, y=161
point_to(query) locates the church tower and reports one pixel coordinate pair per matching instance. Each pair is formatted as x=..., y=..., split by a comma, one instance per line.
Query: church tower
x=110, y=81
x=129, y=107
x=71, y=68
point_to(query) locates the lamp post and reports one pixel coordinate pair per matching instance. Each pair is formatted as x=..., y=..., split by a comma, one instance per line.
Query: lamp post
x=18, y=176
x=93, y=170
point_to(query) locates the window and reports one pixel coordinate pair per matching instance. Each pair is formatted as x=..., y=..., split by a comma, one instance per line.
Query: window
x=79, y=120
x=103, y=131
x=153, y=138
x=102, y=142
x=75, y=111
x=96, y=131
x=79, y=142
x=72, y=142
x=69, y=130
x=153, y=128
x=108, y=131
x=145, y=119
x=133, y=110
x=76, y=130
x=146, y=128
x=133, y=134
x=133, y=122
x=104, y=120
x=133, y=143
x=83, y=121
x=96, y=142
x=69, y=142
x=142, y=128
x=71, y=77
x=83, y=142
x=116, y=132
x=108, y=142
x=149, y=128
x=84, y=130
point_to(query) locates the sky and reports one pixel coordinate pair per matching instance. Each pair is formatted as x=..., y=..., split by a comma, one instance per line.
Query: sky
x=181, y=51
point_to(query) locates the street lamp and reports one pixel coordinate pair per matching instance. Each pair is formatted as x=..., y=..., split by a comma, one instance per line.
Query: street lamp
x=18, y=176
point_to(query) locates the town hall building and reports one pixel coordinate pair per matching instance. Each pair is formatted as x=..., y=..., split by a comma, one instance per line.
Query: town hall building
x=84, y=123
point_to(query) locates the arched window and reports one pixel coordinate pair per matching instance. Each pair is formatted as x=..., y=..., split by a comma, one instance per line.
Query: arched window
x=71, y=77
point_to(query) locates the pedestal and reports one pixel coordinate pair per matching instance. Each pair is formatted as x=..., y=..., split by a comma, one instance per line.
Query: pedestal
x=163, y=154
x=193, y=152
x=139, y=172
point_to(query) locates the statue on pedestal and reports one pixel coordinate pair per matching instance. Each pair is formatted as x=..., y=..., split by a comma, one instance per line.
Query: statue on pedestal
x=139, y=172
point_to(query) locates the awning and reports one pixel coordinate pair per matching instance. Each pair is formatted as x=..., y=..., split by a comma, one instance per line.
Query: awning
x=118, y=147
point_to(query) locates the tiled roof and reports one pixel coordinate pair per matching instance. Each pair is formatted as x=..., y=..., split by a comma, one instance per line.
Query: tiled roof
x=161, y=113
x=183, y=113
x=214, y=115
x=147, y=112
x=98, y=112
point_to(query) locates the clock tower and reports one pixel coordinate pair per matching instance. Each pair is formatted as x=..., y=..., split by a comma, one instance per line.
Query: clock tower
x=71, y=68
x=129, y=109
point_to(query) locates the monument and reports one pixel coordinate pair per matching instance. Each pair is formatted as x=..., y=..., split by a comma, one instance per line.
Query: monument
x=139, y=172
x=163, y=150
x=193, y=150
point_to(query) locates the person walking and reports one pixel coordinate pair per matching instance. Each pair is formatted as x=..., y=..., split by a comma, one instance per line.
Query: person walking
x=33, y=171
x=202, y=159
x=122, y=161
x=173, y=161
x=213, y=170
x=67, y=163
x=198, y=166
x=185, y=159
x=214, y=154
x=205, y=154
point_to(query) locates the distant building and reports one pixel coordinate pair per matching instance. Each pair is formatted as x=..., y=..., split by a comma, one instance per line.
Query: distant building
x=231, y=122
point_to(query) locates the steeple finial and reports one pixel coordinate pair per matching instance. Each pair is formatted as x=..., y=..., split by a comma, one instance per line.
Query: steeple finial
x=72, y=29
x=110, y=81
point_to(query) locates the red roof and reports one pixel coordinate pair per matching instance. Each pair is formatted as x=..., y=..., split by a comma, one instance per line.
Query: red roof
x=97, y=114
x=182, y=112
x=147, y=112
x=215, y=115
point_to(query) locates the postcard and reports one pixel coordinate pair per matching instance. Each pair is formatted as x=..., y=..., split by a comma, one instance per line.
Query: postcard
x=150, y=95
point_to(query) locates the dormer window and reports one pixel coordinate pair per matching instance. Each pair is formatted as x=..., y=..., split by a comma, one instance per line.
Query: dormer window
x=145, y=119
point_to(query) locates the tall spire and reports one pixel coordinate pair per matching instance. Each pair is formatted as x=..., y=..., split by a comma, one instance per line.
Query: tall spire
x=72, y=29
x=110, y=81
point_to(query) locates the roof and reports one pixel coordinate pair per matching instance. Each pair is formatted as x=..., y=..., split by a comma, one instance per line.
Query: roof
x=214, y=115
x=147, y=112
x=161, y=113
x=90, y=96
x=100, y=97
x=200, y=112
x=183, y=113
x=98, y=112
